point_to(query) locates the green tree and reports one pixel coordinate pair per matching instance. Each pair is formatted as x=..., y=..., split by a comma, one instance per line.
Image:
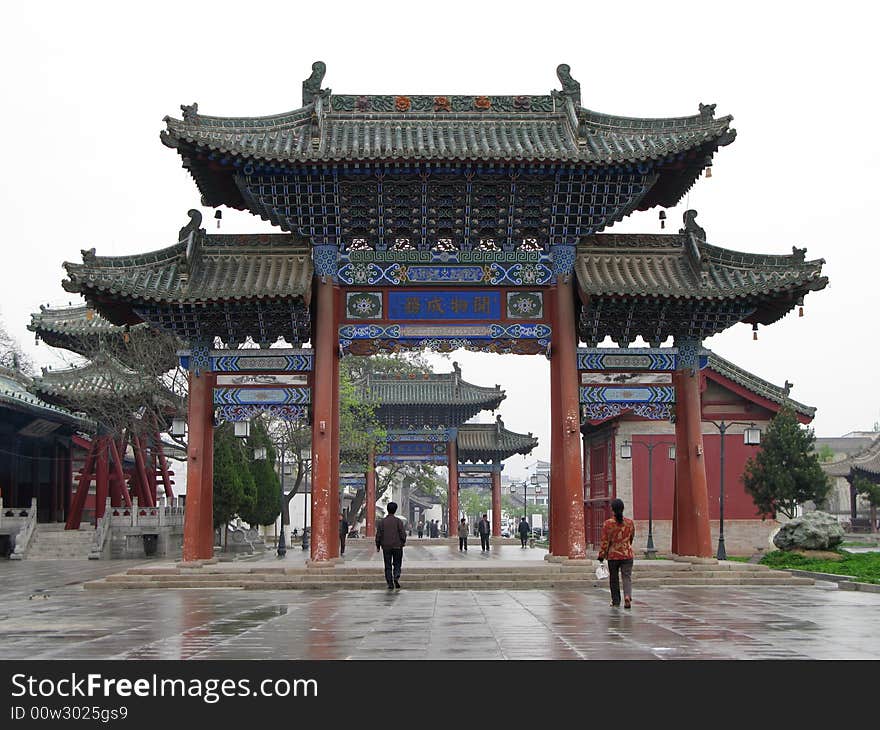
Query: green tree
x=266, y=502
x=825, y=453
x=786, y=471
x=473, y=501
x=870, y=492
x=230, y=489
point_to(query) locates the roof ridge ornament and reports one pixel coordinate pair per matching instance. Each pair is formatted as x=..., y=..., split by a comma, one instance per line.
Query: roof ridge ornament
x=570, y=87
x=694, y=236
x=311, y=87
x=707, y=111
x=799, y=254
x=189, y=235
x=190, y=111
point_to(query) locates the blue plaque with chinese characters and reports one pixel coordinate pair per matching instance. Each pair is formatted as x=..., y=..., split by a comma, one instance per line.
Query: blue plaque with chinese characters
x=428, y=305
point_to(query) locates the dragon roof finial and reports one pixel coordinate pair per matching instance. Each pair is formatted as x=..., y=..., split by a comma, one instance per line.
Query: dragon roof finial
x=570, y=87
x=312, y=85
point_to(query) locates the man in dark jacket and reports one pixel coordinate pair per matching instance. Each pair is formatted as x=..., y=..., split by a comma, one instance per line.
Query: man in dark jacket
x=485, y=531
x=391, y=537
x=343, y=532
x=524, y=530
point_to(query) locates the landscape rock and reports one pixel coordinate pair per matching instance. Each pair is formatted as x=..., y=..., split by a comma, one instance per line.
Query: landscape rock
x=814, y=531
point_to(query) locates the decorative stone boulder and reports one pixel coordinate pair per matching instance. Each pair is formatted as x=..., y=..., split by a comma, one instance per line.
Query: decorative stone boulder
x=814, y=531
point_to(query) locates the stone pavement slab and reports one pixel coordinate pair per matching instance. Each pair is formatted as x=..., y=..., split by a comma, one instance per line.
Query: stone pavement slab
x=46, y=614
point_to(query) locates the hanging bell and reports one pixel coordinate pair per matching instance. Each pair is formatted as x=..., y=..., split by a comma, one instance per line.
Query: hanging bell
x=218, y=215
x=708, y=172
x=662, y=217
x=755, y=331
x=126, y=338
x=800, y=303
x=90, y=314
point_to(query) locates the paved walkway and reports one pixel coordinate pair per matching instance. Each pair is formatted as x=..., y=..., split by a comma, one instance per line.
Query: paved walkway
x=703, y=623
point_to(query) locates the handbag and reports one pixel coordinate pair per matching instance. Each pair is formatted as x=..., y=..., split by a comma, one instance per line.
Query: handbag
x=602, y=571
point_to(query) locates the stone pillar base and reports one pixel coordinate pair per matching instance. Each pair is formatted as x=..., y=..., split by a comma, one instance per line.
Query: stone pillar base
x=197, y=563
x=328, y=563
x=693, y=559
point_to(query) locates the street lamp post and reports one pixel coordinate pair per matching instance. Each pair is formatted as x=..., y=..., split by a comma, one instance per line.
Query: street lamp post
x=751, y=437
x=626, y=453
x=282, y=545
x=305, y=457
x=535, y=482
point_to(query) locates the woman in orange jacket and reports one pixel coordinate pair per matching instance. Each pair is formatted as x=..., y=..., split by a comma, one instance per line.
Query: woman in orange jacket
x=617, y=537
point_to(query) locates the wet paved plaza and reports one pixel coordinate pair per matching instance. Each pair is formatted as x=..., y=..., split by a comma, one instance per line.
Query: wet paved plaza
x=818, y=622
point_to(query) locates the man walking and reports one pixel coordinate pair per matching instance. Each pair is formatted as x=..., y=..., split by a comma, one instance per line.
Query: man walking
x=343, y=532
x=523, y=532
x=391, y=537
x=485, y=531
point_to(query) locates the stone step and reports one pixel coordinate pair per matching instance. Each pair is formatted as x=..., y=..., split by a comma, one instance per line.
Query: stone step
x=437, y=581
x=450, y=584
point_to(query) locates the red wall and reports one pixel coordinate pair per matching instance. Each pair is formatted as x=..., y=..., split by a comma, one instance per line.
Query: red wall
x=737, y=503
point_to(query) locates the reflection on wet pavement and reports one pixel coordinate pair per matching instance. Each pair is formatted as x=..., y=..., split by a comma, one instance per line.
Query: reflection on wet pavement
x=694, y=623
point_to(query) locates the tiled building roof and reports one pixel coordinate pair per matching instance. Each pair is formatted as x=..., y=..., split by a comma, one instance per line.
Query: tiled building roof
x=865, y=463
x=102, y=379
x=84, y=331
x=200, y=267
x=491, y=442
x=651, y=265
x=545, y=129
x=554, y=127
x=427, y=399
x=14, y=394
x=682, y=284
x=757, y=385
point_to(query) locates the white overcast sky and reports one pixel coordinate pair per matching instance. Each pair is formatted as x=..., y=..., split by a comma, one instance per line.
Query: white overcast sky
x=86, y=84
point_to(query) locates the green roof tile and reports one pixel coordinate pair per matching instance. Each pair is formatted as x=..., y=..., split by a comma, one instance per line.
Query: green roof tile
x=491, y=442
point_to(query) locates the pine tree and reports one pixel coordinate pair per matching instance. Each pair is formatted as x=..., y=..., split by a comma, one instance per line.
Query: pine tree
x=786, y=471
x=230, y=488
x=266, y=502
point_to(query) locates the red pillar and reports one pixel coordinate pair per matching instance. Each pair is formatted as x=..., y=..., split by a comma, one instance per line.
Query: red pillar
x=690, y=528
x=123, y=499
x=324, y=522
x=74, y=516
x=567, y=493
x=199, y=517
x=102, y=476
x=452, y=456
x=140, y=465
x=334, y=448
x=496, y=503
x=371, y=493
x=207, y=513
x=166, y=474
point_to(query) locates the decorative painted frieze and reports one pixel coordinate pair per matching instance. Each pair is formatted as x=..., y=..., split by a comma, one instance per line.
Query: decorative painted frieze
x=632, y=358
x=627, y=394
x=262, y=396
x=250, y=360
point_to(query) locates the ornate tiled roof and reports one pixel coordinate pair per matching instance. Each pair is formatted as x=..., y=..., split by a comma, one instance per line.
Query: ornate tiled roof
x=200, y=267
x=491, y=442
x=101, y=379
x=14, y=394
x=865, y=463
x=432, y=399
x=757, y=385
x=81, y=330
x=684, y=269
x=684, y=266
x=552, y=127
